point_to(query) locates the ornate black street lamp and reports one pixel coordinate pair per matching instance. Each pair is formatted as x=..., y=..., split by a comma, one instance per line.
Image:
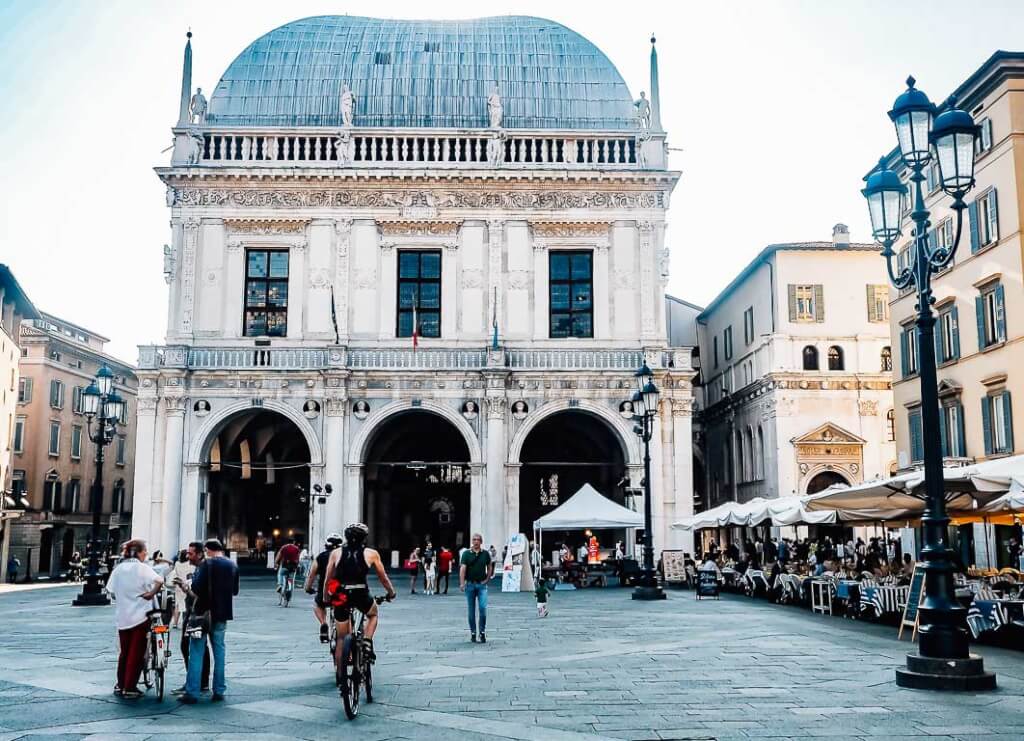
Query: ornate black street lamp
x=645, y=407
x=944, y=660
x=103, y=404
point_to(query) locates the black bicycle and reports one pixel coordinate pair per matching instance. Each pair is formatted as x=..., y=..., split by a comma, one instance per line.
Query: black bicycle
x=356, y=667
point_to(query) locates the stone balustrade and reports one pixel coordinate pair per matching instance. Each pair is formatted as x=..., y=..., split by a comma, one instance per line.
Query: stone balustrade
x=181, y=357
x=395, y=148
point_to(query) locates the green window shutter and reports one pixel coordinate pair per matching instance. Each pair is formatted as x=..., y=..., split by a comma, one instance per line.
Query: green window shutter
x=956, y=333
x=986, y=423
x=979, y=308
x=904, y=365
x=871, y=304
x=960, y=432
x=993, y=202
x=939, y=338
x=942, y=431
x=916, y=437
x=1007, y=420
x=1001, y=313
x=819, y=303
x=792, y=303
x=972, y=214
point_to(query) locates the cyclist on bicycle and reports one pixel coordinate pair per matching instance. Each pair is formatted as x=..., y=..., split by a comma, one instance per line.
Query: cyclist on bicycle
x=287, y=563
x=317, y=572
x=345, y=587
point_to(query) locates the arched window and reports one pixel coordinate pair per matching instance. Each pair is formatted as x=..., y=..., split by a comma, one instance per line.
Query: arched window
x=886, y=358
x=890, y=425
x=810, y=358
x=760, y=452
x=740, y=463
x=117, y=505
x=748, y=443
x=835, y=358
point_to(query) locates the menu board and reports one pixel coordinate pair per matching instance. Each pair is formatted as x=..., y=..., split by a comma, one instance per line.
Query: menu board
x=672, y=562
x=914, y=600
x=707, y=584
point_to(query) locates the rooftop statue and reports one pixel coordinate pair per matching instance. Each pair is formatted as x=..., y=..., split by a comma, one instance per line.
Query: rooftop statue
x=198, y=107
x=496, y=148
x=494, y=108
x=348, y=104
x=346, y=147
x=643, y=111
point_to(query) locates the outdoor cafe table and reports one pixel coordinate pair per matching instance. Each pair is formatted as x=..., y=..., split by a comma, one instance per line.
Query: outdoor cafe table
x=883, y=598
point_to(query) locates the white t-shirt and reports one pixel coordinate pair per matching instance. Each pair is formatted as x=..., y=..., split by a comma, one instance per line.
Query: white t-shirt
x=126, y=584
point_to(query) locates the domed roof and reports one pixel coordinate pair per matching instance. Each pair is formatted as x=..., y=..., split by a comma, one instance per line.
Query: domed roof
x=423, y=73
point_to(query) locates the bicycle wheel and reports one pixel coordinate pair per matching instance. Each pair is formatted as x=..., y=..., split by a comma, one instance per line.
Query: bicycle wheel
x=159, y=677
x=350, y=677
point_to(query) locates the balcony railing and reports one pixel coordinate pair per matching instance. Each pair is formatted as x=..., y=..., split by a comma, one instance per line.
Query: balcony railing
x=152, y=357
x=453, y=148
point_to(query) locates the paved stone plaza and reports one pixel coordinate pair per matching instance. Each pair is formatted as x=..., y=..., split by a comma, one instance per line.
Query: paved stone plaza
x=600, y=667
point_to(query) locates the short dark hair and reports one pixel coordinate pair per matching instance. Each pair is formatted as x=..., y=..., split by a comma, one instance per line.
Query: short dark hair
x=196, y=545
x=213, y=545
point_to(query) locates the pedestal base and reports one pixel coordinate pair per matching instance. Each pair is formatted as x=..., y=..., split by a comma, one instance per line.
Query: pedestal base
x=648, y=593
x=94, y=597
x=964, y=675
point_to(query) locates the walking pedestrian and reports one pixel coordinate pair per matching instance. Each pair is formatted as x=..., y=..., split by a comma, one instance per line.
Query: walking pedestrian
x=13, y=564
x=475, y=570
x=444, y=568
x=215, y=585
x=132, y=585
x=412, y=565
x=426, y=560
x=180, y=573
x=193, y=557
x=287, y=563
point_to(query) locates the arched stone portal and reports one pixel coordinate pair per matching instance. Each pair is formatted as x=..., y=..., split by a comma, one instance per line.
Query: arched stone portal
x=254, y=481
x=561, y=453
x=823, y=480
x=416, y=483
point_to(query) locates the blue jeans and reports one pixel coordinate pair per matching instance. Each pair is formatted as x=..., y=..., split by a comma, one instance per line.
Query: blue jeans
x=196, y=651
x=476, y=593
x=282, y=573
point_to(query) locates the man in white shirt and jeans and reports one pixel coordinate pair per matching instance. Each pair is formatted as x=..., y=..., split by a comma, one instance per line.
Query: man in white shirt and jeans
x=132, y=584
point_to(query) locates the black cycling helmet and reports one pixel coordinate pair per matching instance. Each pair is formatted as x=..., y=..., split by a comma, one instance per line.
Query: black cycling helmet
x=356, y=532
x=334, y=540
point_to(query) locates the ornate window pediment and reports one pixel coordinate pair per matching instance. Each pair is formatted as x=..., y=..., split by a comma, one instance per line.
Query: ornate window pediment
x=828, y=433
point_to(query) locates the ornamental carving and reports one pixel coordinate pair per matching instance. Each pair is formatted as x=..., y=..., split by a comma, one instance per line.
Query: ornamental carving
x=518, y=279
x=868, y=408
x=266, y=226
x=146, y=405
x=364, y=278
x=419, y=228
x=320, y=278
x=472, y=278
x=347, y=198
x=188, y=272
x=570, y=229
x=174, y=404
x=495, y=407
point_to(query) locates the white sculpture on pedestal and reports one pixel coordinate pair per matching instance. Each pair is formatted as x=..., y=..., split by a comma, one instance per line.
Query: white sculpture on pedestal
x=348, y=104
x=643, y=111
x=495, y=110
x=198, y=107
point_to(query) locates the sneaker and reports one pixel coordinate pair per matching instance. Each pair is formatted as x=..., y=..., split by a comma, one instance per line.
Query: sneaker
x=217, y=698
x=131, y=694
x=324, y=634
x=483, y=638
x=187, y=700
x=178, y=691
x=472, y=637
x=118, y=692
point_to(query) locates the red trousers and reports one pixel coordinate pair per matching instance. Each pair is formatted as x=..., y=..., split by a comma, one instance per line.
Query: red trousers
x=133, y=653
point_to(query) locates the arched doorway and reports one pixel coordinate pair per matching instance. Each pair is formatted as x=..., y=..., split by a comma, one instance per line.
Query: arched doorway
x=560, y=454
x=416, y=483
x=823, y=480
x=256, y=497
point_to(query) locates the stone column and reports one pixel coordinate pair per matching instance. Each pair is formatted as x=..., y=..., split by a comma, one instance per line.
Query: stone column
x=189, y=528
x=540, y=291
x=602, y=297
x=648, y=320
x=477, y=473
x=332, y=514
x=494, y=499
x=173, y=278
x=296, y=289
x=142, y=487
x=512, y=499
x=343, y=241
x=174, y=412
x=387, y=287
x=449, y=291
x=495, y=273
x=234, y=288
x=188, y=277
x=352, y=502
x=657, y=485
x=682, y=470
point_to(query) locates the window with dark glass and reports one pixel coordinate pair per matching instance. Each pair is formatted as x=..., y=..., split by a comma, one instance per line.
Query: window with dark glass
x=419, y=292
x=571, y=301
x=266, y=293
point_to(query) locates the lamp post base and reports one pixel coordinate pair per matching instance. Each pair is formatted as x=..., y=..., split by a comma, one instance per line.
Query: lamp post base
x=964, y=675
x=645, y=592
x=92, y=595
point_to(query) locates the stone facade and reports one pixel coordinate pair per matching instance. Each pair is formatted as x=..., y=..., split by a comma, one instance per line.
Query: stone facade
x=341, y=374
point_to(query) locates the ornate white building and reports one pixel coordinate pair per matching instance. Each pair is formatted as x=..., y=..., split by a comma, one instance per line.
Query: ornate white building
x=489, y=186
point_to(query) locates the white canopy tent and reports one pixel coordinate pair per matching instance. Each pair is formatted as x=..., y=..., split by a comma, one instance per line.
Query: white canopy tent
x=587, y=508
x=782, y=511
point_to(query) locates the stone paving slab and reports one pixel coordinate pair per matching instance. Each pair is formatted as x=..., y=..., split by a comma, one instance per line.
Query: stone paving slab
x=600, y=668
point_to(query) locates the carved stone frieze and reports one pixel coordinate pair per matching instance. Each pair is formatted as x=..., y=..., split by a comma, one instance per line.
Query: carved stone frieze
x=174, y=404
x=146, y=405
x=419, y=228
x=570, y=229
x=188, y=274
x=495, y=406
x=453, y=199
x=266, y=226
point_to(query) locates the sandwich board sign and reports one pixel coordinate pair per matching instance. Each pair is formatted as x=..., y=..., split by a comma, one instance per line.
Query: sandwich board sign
x=914, y=600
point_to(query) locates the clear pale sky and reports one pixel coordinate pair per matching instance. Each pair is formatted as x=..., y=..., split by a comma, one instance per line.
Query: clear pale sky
x=777, y=108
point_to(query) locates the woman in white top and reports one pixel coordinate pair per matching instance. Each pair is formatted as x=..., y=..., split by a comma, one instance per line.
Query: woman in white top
x=182, y=571
x=132, y=584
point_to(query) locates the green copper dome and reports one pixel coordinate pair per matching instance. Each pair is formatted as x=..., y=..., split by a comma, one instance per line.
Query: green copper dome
x=423, y=73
